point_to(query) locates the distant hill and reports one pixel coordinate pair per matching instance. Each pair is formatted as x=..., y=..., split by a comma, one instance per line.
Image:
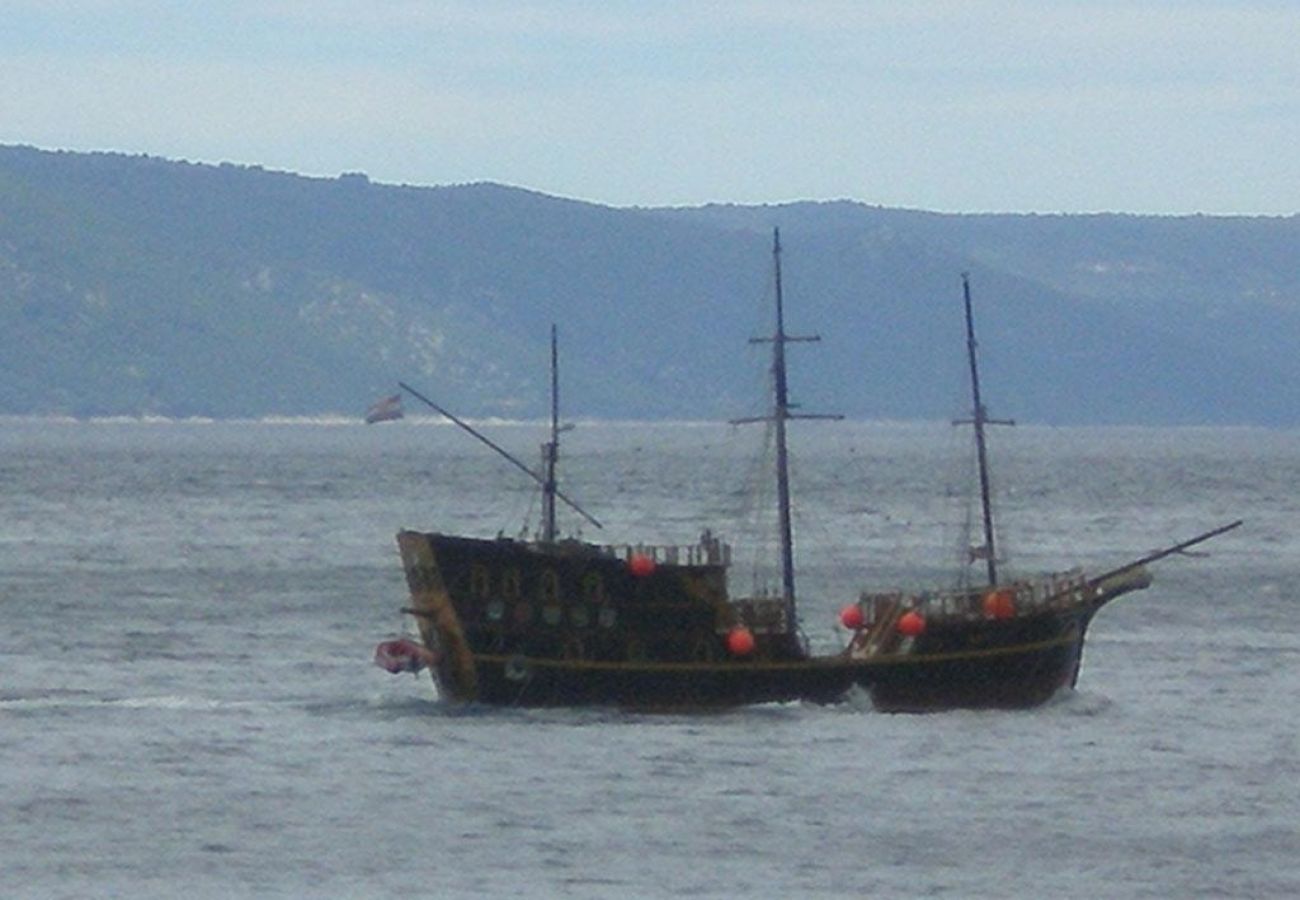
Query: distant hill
x=134, y=285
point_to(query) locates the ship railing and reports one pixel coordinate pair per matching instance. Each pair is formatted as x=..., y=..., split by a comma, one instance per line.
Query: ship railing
x=1062, y=589
x=761, y=615
x=709, y=552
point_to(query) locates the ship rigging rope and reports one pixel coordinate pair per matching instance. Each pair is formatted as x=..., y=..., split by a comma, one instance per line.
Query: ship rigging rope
x=966, y=534
x=527, y=529
x=756, y=518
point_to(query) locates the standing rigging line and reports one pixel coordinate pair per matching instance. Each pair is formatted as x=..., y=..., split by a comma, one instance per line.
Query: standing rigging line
x=552, y=491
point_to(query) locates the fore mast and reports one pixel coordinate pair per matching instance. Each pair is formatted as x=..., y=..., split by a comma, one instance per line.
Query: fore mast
x=551, y=450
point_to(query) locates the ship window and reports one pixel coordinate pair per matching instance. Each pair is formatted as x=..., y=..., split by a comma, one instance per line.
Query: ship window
x=480, y=581
x=548, y=587
x=593, y=588
x=510, y=584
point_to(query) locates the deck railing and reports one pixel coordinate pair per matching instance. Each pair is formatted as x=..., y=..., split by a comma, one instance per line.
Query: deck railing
x=1061, y=589
x=707, y=552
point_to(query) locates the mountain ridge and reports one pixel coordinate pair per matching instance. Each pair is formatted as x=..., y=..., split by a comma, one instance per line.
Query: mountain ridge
x=133, y=285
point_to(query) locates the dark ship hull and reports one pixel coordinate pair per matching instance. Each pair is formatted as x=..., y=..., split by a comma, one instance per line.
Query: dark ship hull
x=575, y=624
x=543, y=682
x=1001, y=664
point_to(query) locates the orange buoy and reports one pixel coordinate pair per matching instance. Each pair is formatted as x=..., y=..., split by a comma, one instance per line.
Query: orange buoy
x=851, y=617
x=911, y=623
x=640, y=565
x=740, y=641
x=999, y=604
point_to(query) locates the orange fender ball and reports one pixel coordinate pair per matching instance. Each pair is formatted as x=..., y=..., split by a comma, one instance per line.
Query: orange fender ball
x=641, y=565
x=851, y=617
x=999, y=605
x=740, y=641
x=911, y=623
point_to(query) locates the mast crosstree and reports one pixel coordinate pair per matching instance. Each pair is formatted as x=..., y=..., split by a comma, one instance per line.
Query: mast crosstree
x=782, y=413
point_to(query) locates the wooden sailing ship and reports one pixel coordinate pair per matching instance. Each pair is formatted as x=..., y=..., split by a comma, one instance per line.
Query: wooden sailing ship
x=564, y=622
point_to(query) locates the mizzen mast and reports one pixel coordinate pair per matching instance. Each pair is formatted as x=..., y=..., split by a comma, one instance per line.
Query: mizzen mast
x=979, y=419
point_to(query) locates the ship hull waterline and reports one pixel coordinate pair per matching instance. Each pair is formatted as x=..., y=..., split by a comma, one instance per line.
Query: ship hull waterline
x=1016, y=677
x=1015, y=663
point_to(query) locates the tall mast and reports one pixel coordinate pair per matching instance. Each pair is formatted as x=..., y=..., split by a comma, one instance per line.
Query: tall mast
x=551, y=449
x=780, y=415
x=979, y=418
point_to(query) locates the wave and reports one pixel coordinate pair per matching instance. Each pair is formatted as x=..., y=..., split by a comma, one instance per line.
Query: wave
x=83, y=700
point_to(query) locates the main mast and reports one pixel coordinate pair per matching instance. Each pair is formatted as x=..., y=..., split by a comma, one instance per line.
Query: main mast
x=780, y=415
x=979, y=418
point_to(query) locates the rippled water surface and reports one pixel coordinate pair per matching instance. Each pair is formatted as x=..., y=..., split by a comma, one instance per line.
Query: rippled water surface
x=188, y=706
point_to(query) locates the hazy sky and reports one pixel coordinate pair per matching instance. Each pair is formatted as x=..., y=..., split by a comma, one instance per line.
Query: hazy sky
x=1044, y=105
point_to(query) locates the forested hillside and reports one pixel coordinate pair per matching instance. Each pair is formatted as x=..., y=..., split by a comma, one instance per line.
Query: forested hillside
x=134, y=285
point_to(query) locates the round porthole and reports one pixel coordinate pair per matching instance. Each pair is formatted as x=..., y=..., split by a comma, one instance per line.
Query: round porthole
x=516, y=669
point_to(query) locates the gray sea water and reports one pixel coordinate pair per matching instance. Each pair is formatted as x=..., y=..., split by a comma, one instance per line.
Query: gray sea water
x=188, y=705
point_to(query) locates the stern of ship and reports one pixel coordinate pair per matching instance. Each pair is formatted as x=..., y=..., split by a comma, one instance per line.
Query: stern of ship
x=436, y=617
